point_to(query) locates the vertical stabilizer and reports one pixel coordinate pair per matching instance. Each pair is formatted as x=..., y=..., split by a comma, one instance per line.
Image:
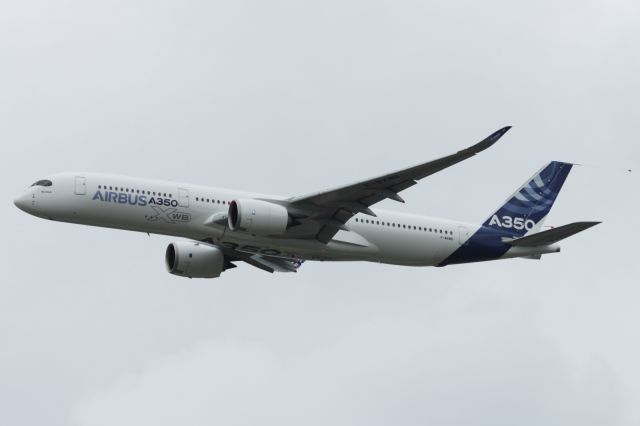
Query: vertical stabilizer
x=523, y=213
x=527, y=208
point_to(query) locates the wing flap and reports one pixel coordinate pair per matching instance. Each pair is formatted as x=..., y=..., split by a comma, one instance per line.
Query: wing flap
x=266, y=263
x=275, y=264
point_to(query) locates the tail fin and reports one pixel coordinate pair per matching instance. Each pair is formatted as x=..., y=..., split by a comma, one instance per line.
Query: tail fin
x=527, y=208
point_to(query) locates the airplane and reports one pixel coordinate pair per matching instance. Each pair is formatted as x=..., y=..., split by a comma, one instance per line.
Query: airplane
x=223, y=227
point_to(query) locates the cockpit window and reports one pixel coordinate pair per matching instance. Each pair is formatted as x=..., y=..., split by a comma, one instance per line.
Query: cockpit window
x=43, y=182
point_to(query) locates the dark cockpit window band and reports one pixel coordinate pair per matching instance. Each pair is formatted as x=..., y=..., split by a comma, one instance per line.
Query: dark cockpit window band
x=44, y=182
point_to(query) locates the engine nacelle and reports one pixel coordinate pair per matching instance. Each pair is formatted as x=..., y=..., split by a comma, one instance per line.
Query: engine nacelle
x=194, y=260
x=258, y=217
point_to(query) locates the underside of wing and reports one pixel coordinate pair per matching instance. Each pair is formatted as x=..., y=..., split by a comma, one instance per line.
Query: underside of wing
x=260, y=261
x=274, y=264
x=321, y=215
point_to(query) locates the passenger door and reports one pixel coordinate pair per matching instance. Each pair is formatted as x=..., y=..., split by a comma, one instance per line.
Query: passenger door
x=80, y=185
x=183, y=197
x=463, y=235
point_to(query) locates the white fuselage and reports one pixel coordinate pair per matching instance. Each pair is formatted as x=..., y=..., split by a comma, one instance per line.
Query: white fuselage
x=186, y=210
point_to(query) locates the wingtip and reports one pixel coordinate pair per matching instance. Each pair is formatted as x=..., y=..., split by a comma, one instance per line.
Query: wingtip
x=504, y=130
x=590, y=224
x=493, y=138
x=486, y=142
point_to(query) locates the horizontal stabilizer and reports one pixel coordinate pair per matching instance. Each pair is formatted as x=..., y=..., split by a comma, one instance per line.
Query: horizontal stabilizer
x=533, y=257
x=552, y=235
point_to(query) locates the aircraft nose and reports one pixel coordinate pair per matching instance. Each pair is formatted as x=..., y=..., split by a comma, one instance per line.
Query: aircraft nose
x=23, y=202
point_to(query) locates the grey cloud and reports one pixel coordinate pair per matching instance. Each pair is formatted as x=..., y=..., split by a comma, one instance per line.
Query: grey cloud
x=468, y=366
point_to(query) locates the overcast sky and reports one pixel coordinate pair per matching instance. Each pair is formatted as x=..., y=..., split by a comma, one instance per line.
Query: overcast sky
x=288, y=97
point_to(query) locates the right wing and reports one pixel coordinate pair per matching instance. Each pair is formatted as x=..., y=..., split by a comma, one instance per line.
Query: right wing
x=331, y=209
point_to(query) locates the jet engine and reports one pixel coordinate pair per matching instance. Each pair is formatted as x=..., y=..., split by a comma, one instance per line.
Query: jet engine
x=194, y=260
x=258, y=217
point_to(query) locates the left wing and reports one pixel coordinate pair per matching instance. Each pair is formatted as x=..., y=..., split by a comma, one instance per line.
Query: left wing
x=331, y=209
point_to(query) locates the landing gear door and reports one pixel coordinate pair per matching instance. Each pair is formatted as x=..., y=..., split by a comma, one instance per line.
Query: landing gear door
x=463, y=235
x=80, y=185
x=183, y=197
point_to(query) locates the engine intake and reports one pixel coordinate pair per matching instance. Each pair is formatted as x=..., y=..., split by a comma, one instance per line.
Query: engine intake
x=258, y=217
x=194, y=260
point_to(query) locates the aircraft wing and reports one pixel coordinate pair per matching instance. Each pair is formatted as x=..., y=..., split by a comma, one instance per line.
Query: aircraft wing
x=334, y=207
x=260, y=261
x=274, y=264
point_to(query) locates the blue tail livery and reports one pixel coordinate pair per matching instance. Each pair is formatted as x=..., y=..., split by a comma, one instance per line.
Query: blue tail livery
x=522, y=213
x=527, y=208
